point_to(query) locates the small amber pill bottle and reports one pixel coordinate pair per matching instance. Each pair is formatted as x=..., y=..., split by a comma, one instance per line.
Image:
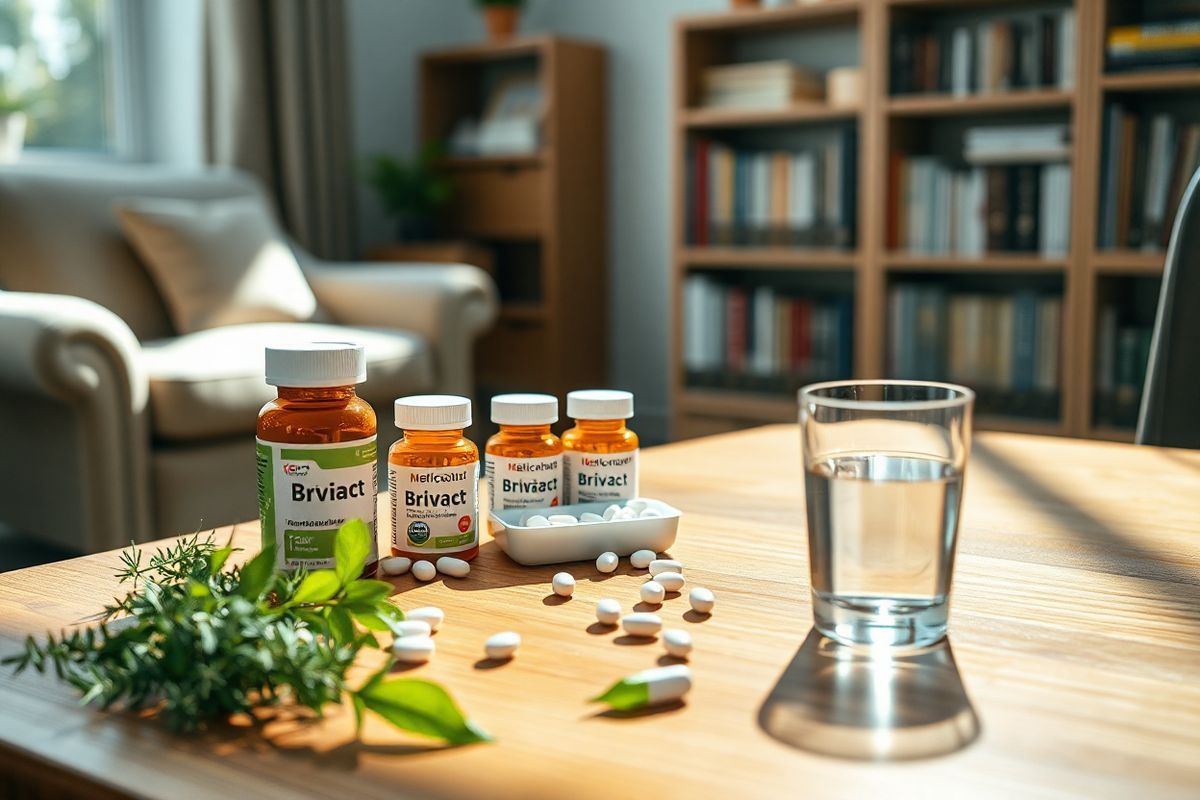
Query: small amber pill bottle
x=433, y=472
x=316, y=453
x=600, y=454
x=524, y=460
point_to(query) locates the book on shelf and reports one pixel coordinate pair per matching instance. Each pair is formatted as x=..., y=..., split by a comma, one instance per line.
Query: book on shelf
x=1026, y=50
x=1146, y=161
x=806, y=196
x=1017, y=144
x=1154, y=45
x=760, y=338
x=761, y=84
x=1121, y=359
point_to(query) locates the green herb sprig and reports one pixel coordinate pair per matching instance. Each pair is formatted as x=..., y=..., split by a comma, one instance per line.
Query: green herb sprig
x=199, y=642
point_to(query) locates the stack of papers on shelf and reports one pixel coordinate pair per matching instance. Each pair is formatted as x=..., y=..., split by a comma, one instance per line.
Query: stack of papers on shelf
x=1010, y=144
x=763, y=84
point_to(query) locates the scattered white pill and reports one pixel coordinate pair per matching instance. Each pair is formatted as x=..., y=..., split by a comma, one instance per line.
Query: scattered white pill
x=702, y=600
x=677, y=642
x=562, y=519
x=641, y=623
x=588, y=516
x=413, y=649
x=653, y=593
x=636, y=505
x=410, y=627
x=424, y=571
x=563, y=584
x=454, y=567
x=670, y=581
x=607, y=562
x=665, y=565
x=502, y=645
x=647, y=513
x=396, y=565
x=642, y=558
x=664, y=684
x=537, y=521
x=431, y=614
x=608, y=611
x=625, y=513
x=611, y=511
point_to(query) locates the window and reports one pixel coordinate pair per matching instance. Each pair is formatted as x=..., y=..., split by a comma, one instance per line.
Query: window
x=57, y=63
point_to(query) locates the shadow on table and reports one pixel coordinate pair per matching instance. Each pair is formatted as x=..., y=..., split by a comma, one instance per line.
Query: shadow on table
x=870, y=704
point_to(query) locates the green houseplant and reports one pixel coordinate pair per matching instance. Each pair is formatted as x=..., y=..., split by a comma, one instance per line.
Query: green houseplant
x=500, y=17
x=412, y=192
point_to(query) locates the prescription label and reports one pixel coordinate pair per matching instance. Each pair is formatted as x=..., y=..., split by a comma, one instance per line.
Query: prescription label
x=592, y=477
x=524, y=482
x=306, y=492
x=434, y=509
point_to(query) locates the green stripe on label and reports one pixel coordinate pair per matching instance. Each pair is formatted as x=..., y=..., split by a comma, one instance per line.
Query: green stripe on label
x=334, y=457
x=309, y=544
x=454, y=541
x=266, y=493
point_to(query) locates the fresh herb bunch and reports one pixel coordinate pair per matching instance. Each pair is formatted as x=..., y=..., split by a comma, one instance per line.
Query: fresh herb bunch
x=201, y=642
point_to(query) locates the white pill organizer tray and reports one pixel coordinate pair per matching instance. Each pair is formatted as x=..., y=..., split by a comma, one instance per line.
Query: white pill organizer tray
x=583, y=541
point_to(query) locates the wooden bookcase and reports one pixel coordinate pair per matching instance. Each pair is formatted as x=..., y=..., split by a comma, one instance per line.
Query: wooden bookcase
x=542, y=214
x=700, y=41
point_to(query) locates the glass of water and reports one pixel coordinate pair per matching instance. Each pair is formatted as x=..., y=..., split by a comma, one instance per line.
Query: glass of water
x=883, y=475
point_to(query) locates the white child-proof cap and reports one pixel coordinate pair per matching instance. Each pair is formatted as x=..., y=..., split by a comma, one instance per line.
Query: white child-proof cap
x=599, y=404
x=524, y=409
x=316, y=364
x=433, y=412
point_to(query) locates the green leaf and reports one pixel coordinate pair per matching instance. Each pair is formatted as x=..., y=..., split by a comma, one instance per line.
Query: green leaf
x=367, y=592
x=256, y=574
x=350, y=550
x=317, y=587
x=217, y=558
x=359, y=710
x=371, y=621
x=625, y=695
x=421, y=707
x=340, y=624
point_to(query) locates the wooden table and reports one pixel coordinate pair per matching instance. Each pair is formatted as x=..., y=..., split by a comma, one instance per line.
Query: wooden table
x=1075, y=634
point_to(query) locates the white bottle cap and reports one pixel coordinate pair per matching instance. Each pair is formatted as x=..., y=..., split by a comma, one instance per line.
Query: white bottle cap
x=433, y=412
x=599, y=404
x=316, y=364
x=524, y=409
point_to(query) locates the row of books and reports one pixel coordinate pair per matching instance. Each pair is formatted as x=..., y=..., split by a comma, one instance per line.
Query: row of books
x=1021, y=51
x=806, y=196
x=760, y=84
x=938, y=208
x=1122, y=355
x=1174, y=43
x=1146, y=163
x=739, y=333
x=1001, y=342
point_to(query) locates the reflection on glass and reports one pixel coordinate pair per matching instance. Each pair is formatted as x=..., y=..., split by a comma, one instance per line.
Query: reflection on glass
x=872, y=703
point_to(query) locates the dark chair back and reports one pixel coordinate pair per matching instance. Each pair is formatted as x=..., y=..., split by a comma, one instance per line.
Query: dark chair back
x=1170, y=412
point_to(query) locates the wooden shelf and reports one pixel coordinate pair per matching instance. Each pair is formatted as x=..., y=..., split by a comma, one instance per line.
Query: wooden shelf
x=1128, y=262
x=523, y=312
x=1159, y=80
x=767, y=258
x=516, y=160
x=809, y=113
x=480, y=52
x=938, y=105
x=992, y=262
x=827, y=12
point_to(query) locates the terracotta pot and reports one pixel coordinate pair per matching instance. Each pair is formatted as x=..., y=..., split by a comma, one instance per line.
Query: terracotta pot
x=501, y=21
x=747, y=3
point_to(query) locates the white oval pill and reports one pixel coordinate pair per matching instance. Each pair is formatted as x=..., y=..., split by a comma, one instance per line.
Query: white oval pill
x=665, y=565
x=562, y=519
x=653, y=593
x=502, y=645
x=642, y=623
x=664, y=684
x=671, y=581
x=396, y=565
x=702, y=600
x=611, y=511
x=608, y=611
x=537, y=521
x=642, y=558
x=625, y=513
x=410, y=627
x=413, y=649
x=430, y=614
x=454, y=567
x=607, y=562
x=563, y=584
x=647, y=513
x=636, y=505
x=588, y=516
x=677, y=642
x=424, y=571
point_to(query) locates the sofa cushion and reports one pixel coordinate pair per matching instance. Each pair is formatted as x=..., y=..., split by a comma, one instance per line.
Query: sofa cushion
x=211, y=383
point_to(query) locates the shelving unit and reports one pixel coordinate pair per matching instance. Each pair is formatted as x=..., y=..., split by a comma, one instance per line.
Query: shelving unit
x=883, y=120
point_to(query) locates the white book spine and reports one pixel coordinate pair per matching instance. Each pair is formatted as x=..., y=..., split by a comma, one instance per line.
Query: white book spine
x=1066, y=49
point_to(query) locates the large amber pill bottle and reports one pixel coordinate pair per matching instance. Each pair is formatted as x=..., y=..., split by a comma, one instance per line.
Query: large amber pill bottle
x=316, y=453
x=433, y=474
x=600, y=454
x=524, y=461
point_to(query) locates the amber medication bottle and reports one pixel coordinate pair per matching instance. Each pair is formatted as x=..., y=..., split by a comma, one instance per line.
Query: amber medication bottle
x=433, y=474
x=600, y=454
x=524, y=461
x=316, y=453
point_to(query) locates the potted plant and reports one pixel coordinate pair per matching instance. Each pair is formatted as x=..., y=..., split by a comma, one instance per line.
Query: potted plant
x=412, y=192
x=500, y=17
x=13, y=121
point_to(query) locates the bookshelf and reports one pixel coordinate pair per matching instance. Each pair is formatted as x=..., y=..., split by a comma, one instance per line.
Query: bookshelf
x=1089, y=280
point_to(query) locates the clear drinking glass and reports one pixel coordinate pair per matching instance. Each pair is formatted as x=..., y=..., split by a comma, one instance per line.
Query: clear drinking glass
x=883, y=474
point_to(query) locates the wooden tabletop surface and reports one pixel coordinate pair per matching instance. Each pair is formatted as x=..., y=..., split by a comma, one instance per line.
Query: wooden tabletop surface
x=1075, y=665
